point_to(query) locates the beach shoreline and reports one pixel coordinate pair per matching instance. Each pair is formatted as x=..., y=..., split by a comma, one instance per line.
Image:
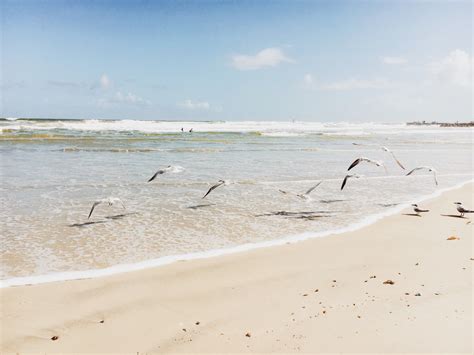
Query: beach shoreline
x=317, y=295
x=166, y=260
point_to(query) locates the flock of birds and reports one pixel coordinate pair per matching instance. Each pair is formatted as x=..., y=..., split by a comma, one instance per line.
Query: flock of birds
x=115, y=200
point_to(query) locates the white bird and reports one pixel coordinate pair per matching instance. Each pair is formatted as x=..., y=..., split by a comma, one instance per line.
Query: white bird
x=169, y=168
x=348, y=176
x=306, y=194
x=430, y=169
x=367, y=160
x=110, y=201
x=418, y=210
x=215, y=186
x=461, y=209
x=385, y=149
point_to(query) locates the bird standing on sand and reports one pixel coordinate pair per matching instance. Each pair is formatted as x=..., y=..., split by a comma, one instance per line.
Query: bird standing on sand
x=213, y=187
x=367, y=160
x=429, y=168
x=347, y=177
x=418, y=210
x=110, y=201
x=461, y=209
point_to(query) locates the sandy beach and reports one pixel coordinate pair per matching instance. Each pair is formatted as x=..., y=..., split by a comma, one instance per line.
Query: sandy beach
x=329, y=294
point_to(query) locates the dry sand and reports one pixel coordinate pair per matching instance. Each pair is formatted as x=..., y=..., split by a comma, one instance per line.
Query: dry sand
x=321, y=295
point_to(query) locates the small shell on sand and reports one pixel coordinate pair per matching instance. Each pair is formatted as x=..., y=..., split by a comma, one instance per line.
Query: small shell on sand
x=54, y=337
x=453, y=238
x=248, y=335
x=388, y=282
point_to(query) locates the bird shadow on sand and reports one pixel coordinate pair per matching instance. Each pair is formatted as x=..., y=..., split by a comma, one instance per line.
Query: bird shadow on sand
x=411, y=214
x=85, y=224
x=120, y=216
x=387, y=204
x=195, y=207
x=453, y=216
x=330, y=201
x=308, y=215
x=108, y=218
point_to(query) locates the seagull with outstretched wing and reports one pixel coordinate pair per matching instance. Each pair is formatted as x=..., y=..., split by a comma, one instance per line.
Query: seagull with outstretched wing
x=366, y=160
x=215, y=186
x=429, y=168
x=385, y=149
x=347, y=177
x=306, y=194
x=110, y=201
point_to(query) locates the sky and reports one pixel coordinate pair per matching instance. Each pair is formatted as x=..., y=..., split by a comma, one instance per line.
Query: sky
x=353, y=61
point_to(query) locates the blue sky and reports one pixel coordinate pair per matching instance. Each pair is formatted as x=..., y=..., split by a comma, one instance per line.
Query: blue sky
x=382, y=61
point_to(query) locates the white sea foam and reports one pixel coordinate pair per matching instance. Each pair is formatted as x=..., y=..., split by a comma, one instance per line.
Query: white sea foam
x=121, y=268
x=270, y=128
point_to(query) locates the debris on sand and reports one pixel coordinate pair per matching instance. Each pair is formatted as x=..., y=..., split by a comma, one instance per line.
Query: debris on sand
x=388, y=282
x=184, y=329
x=304, y=295
x=248, y=335
x=453, y=238
x=317, y=290
x=197, y=323
x=101, y=321
x=418, y=294
x=54, y=337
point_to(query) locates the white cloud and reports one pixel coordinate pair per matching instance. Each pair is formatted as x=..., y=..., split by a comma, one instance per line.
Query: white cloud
x=130, y=98
x=196, y=105
x=308, y=79
x=268, y=57
x=394, y=60
x=120, y=98
x=105, y=82
x=356, y=84
x=454, y=69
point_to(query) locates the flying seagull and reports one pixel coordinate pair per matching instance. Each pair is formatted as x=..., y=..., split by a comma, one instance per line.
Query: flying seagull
x=385, y=149
x=425, y=168
x=347, y=177
x=367, y=160
x=306, y=194
x=215, y=186
x=168, y=169
x=461, y=209
x=418, y=210
x=110, y=201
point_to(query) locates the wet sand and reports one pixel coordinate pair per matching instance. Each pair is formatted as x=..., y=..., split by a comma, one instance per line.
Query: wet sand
x=322, y=295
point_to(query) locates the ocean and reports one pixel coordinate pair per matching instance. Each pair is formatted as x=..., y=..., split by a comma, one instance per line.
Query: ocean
x=52, y=171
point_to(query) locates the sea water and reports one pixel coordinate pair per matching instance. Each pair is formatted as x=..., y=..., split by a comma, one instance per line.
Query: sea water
x=52, y=171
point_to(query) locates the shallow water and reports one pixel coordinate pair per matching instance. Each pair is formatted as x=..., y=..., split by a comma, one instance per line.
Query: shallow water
x=52, y=171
